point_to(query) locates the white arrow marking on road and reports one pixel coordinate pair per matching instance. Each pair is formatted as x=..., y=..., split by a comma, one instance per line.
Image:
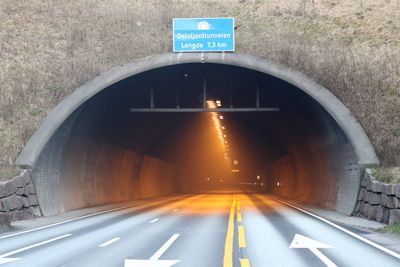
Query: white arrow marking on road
x=301, y=241
x=4, y=259
x=363, y=239
x=154, y=260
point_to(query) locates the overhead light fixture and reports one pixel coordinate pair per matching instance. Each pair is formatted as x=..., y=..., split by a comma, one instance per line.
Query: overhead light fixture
x=218, y=103
x=211, y=104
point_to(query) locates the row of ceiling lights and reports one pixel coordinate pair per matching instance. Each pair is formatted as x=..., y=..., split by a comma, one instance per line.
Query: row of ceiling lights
x=220, y=129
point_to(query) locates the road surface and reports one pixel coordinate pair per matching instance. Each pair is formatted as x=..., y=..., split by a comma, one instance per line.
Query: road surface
x=201, y=230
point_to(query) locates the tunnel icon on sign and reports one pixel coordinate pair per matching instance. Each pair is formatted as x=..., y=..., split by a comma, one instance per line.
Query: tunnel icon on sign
x=203, y=25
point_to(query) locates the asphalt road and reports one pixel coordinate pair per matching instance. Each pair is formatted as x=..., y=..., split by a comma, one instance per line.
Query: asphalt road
x=201, y=230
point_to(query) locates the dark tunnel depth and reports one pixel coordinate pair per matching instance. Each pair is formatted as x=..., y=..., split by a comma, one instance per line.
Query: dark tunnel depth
x=106, y=153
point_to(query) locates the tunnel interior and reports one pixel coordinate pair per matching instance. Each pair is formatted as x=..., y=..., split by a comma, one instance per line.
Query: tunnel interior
x=108, y=152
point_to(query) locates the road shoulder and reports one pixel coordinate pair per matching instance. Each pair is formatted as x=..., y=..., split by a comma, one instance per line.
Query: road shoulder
x=363, y=227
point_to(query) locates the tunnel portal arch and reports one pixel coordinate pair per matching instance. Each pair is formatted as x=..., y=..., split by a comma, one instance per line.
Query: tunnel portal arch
x=66, y=109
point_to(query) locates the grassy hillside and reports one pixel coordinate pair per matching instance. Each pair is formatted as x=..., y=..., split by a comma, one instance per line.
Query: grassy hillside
x=50, y=47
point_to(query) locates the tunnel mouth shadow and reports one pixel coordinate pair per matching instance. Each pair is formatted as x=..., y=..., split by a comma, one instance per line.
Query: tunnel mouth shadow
x=105, y=143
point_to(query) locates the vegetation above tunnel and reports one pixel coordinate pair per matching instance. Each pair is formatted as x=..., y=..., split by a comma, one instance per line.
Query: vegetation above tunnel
x=48, y=49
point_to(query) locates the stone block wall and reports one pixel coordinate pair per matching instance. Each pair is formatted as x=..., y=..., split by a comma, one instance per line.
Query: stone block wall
x=378, y=201
x=18, y=199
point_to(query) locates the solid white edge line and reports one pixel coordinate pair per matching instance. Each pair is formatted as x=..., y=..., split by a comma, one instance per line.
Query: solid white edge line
x=164, y=248
x=5, y=255
x=154, y=220
x=109, y=242
x=363, y=239
x=74, y=219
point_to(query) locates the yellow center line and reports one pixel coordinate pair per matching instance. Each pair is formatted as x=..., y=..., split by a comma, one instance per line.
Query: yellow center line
x=239, y=216
x=241, y=238
x=241, y=235
x=228, y=256
x=244, y=263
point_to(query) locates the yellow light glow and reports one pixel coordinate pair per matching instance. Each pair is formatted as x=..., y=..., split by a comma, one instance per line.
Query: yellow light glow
x=235, y=170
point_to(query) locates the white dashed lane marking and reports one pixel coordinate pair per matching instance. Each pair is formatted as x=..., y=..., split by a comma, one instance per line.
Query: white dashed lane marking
x=153, y=221
x=109, y=242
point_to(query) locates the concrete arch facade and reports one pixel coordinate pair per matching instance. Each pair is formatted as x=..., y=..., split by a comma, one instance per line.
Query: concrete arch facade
x=357, y=137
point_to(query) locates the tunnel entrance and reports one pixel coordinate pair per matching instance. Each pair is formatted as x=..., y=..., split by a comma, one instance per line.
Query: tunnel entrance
x=144, y=130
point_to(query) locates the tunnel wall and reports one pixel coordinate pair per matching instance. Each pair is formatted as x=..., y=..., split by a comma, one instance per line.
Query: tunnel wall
x=317, y=180
x=157, y=177
x=46, y=175
x=88, y=173
x=321, y=165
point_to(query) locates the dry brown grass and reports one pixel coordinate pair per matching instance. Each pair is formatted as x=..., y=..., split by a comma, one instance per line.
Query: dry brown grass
x=48, y=48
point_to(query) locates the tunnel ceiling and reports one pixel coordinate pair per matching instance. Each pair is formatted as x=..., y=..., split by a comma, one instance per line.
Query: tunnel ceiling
x=310, y=148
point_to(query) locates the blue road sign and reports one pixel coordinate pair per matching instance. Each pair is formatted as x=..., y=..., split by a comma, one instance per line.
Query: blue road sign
x=204, y=34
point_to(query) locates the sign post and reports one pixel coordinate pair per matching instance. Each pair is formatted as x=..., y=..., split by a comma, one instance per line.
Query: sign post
x=203, y=35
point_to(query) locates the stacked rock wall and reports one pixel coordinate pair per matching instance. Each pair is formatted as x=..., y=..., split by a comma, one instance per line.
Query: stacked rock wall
x=378, y=201
x=18, y=199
